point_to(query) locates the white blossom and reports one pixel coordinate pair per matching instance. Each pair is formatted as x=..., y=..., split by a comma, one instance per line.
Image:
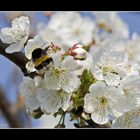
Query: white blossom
x=133, y=48
x=30, y=91
x=104, y=103
x=131, y=88
x=17, y=35
x=130, y=119
x=62, y=75
x=109, y=65
x=72, y=28
x=112, y=26
x=52, y=100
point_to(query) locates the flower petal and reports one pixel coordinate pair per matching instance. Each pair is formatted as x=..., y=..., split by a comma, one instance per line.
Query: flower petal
x=96, y=86
x=50, y=100
x=112, y=79
x=57, y=59
x=102, y=118
x=22, y=23
x=66, y=101
x=31, y=102
x=27, y=86
x=70, y=82
x=6, y=35
x=69, y=64
x=89, y=103
x=97, y=72
x=15, y=47
x=51, y=81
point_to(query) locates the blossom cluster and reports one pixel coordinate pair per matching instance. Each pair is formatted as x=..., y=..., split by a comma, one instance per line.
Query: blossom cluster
x=80, y=62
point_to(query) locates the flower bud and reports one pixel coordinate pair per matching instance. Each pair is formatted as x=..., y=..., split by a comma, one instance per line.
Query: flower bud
x=78, y=52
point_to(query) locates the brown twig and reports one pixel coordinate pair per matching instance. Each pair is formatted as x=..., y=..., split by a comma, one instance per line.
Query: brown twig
x=18, y=58
x=5, y=108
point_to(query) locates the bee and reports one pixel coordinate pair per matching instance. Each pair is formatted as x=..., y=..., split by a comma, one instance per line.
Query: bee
x=41, y=58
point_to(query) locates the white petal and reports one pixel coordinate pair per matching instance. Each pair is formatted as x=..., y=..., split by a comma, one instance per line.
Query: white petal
x=70, y=64
x=66, y=101
x=50, y=100
x=96, y=86
x=51, y=81
x=70, y=82
x=97, y=72
x=112, y=79
x=131, y=82
x=15, y=47
x=89, y=103
x=100, y=118
x=23, y=23
x=31, y=102
x=37, y=80
x=27, y=86
x=130, y=119
x=57, y=59
x=7, y=35
x=117, y=106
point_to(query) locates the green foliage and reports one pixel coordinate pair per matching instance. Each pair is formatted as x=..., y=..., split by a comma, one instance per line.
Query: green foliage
x=86, y=80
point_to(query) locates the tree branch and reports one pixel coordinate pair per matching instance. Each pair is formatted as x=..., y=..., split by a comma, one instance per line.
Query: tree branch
x=18, y=58
x=5, y=108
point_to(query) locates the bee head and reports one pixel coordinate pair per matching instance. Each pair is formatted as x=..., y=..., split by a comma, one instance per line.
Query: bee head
x=37, y=53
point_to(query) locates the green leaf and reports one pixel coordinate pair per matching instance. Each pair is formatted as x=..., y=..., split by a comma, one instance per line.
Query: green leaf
x=78, y=102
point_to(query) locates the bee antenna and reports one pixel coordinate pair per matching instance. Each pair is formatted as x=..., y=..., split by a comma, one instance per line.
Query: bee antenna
x=43, y=44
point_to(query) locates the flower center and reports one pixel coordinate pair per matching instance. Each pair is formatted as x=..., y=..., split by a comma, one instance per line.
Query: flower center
x=60, y=74
x=108, y=69
x=57, y=72
x=103, y=25
x=128, y=68
x=103, y=100
x=128, y=120
x=126, y=93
